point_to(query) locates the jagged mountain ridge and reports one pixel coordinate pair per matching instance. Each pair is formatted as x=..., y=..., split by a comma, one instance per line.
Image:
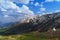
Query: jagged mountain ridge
x=39, y=23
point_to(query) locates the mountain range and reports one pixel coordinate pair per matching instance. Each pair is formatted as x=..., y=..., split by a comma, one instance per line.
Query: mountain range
x=39, y=23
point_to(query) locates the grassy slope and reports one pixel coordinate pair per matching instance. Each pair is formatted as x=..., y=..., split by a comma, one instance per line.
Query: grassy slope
x=30, y=36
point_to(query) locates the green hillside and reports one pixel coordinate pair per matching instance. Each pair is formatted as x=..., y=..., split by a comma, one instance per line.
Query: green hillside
x=31, y=36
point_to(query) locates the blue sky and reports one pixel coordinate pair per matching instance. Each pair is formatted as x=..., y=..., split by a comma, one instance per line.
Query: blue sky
x=14, y=10
x=43, y=6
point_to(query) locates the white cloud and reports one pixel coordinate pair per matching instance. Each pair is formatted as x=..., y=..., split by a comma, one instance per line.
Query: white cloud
x=5, y=16
x=41, y=5
x=42, y=14
x=8, y=5
x=49, y=0
x=27, y=11
x=2, y=9
x=21, y=1
x=32, y=3
x=42, y=9
x=19, y=11
x=36, y=4
x=13, y=12
x=57, y=11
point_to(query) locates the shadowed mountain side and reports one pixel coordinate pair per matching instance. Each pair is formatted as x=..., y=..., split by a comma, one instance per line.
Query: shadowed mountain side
x=17, y=29
x=40, y=23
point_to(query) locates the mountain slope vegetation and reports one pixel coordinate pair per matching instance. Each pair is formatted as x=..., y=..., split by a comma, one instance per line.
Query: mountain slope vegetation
x=39, y=23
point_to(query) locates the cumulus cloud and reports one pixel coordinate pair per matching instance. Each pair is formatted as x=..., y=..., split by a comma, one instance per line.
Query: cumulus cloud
x=21, y=1
x=36, y=4
x=42, y=9
x=13, y=12
x=27, y=11
x=41, y=5
x=6, y=5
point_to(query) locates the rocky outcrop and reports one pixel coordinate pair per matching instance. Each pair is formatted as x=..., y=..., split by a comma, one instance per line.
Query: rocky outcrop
x=39, y=23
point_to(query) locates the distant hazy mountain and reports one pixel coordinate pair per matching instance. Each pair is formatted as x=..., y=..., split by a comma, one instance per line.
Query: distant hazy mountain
x=3, y=25
x=38, y=23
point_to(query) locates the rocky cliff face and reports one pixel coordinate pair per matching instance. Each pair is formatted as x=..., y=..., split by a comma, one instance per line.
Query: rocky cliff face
x=39, y=23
